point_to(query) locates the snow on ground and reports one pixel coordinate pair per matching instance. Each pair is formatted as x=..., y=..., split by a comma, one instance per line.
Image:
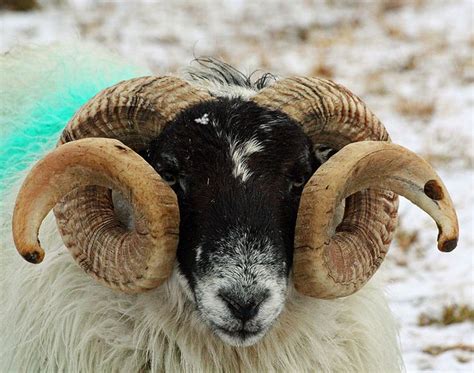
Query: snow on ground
x=412, y=61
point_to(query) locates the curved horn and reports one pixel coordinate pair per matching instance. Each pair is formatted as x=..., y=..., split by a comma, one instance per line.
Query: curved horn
x=327, y=112
x=330, y=114
x=134, y=112
x=330, y=264
x=149, y=250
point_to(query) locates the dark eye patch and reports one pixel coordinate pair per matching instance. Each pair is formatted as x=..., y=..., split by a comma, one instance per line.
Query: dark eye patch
x=163, y=162
x=168, y=177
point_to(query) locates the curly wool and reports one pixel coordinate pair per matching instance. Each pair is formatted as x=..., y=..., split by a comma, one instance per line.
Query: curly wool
x=53, y=317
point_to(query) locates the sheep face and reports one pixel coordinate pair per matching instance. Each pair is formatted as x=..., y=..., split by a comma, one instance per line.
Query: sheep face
x=238, y=171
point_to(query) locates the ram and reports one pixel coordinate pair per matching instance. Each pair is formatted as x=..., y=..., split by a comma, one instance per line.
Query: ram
x=266, y=275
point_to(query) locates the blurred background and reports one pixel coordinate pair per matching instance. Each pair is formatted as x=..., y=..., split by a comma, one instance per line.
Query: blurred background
x=411, y=61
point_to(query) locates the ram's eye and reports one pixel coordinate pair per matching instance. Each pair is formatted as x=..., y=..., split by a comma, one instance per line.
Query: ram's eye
x=168, y=177
x=297, y=183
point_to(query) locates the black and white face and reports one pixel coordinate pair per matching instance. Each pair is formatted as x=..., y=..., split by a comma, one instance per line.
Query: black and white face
x=238, y=171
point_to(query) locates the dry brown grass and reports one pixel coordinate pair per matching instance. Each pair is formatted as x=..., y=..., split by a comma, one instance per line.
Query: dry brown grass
x=436, y=350
x=406, y=239
x=19, y=5
x=462, y=157
x=463, y=359
x=409, y=64
x=394, y=31
x=415, y=108
x=375, y=83
x=464, y=68
x=395, y=5
x=322, y=70
x=451, y=314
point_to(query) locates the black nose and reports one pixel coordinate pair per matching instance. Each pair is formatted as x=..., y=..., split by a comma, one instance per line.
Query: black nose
x=243, y=308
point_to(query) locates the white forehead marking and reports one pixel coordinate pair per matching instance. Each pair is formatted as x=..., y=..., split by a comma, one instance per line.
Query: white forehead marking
x=203, y=120
x=198, y=253
x=240, y=153
x=268, y=126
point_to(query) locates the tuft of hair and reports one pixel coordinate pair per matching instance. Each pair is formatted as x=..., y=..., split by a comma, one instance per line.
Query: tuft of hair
x=224, y=80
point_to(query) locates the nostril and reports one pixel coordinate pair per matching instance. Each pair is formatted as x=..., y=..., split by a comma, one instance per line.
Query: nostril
x=243, y=309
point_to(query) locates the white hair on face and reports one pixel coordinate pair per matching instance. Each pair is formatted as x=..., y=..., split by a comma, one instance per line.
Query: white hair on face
x=246, y=267
x=203, y=120
x=266, y=127
x=270, y=125
x=240, y=152
x=198, y=253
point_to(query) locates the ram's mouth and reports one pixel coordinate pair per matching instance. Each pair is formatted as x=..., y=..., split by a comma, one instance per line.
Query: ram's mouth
x=241, y=337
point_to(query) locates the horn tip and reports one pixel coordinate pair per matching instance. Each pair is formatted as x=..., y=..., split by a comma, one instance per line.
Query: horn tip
x=34, y=256
x=447, y=246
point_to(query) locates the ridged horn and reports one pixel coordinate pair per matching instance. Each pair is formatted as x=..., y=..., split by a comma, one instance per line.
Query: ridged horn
x=141, y=258
x=330, y=264
x=134, y=112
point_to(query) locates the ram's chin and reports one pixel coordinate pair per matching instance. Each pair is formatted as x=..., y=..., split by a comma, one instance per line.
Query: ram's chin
x=239, y=338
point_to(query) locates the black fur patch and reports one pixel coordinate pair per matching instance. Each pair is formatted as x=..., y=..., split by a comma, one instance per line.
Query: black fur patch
x=196, y=148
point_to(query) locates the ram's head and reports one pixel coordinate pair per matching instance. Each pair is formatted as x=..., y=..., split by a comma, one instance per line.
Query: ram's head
x=233, y=191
